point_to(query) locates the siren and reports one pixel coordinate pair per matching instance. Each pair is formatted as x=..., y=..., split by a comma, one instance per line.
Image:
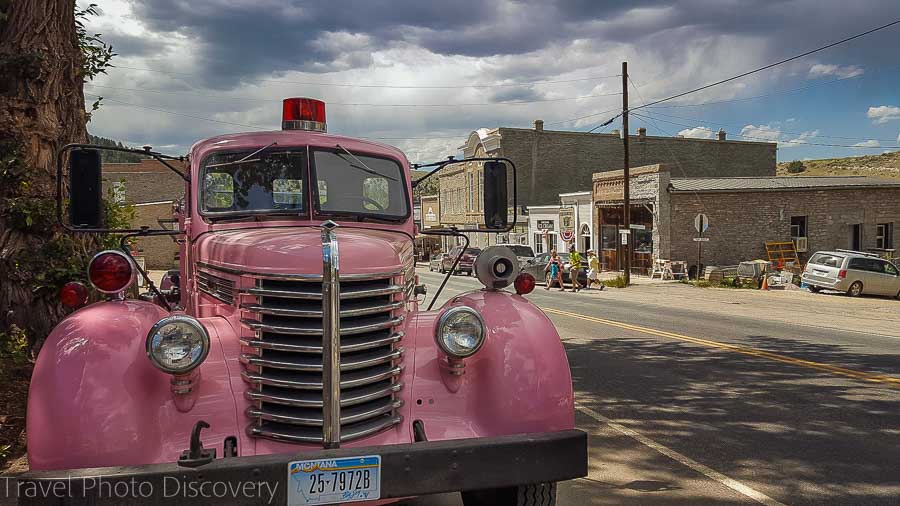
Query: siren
x=303, y=114
x=496, y=267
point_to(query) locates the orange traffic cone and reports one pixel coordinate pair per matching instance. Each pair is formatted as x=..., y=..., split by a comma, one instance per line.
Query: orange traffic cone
x=765, y=283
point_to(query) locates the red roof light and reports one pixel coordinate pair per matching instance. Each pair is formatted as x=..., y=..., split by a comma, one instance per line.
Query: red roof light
x=303, y=114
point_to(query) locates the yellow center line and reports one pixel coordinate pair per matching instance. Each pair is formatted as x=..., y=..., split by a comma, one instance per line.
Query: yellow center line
x=876, y=378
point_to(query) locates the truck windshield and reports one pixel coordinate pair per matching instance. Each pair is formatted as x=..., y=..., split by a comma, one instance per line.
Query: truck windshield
x=359, y=186
x=272, y=182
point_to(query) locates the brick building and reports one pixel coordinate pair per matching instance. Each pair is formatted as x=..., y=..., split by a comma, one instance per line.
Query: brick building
x=152, y=188
x=854, y=212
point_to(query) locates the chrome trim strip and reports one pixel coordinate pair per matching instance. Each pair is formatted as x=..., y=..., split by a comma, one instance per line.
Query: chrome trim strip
x=375, y=292
x=331, y=345
x=302, y=348
x=301, y=277
x=315, y=313
x=358, y=329
x=283, y=293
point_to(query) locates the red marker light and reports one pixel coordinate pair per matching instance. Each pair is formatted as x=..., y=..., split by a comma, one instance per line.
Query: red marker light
x=73, y=294
x=524, y=283
x=303, y=114
x=110, y=271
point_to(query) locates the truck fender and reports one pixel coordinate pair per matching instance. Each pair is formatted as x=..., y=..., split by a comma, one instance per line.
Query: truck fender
x=518, y=382
x=95, y=399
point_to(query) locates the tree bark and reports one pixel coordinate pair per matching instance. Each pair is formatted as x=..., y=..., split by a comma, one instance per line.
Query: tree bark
x=41, y=110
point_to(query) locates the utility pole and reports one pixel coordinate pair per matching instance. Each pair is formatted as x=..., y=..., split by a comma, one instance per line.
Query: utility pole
x=626, y=190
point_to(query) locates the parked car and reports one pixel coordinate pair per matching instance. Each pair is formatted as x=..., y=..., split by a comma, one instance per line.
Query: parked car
x=523, y=253
x=535, y=267
x=434, y=263
x=853, y=272
x=466, y=263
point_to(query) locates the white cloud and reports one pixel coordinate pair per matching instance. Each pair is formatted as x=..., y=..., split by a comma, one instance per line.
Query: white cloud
x=803, y=138
x=824, y=70
x=700, y=132
x=883, y=113
x=761, y=133
x=898, y=138
x=871, y=143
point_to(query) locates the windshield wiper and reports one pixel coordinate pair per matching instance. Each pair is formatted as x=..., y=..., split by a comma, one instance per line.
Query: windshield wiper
x=364, y=167
x=245, y=159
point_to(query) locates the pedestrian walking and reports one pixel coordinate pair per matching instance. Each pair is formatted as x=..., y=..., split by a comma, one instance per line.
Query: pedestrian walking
x=574, y=267
x=554, y=270
x=594, y=270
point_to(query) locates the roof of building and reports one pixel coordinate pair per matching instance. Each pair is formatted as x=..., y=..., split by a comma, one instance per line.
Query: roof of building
x=732, y=184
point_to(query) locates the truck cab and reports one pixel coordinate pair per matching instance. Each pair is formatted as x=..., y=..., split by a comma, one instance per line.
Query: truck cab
x=295, y=351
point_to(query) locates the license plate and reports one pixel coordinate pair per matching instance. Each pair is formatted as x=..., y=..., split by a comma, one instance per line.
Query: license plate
x=332, y=481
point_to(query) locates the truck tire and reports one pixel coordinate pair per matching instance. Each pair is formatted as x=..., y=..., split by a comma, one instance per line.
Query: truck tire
x=536, y=494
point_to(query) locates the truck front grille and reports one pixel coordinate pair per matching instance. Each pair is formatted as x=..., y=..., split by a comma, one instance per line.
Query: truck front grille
x=283, y=361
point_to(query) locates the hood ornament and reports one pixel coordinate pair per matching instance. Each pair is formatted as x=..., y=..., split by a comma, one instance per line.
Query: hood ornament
x=331, y=338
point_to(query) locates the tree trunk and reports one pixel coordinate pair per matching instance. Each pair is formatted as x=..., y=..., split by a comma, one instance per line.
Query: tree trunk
x=41, y=110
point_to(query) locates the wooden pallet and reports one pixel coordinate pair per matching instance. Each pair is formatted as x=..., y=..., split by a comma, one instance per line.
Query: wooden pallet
x=780, y=253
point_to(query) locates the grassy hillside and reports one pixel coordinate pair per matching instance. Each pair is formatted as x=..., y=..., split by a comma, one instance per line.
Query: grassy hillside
x=885, y=166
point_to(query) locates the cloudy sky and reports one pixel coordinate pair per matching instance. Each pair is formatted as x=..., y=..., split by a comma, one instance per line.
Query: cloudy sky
x=421, y=74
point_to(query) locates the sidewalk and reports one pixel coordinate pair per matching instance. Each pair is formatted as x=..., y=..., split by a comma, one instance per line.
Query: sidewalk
x=875, y=315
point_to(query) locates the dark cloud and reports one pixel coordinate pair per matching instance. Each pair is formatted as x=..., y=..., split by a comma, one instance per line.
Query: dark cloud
x=243, y=38
x=131, y=45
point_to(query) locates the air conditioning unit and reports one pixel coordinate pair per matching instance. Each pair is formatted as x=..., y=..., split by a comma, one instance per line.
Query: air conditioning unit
x=800, y=244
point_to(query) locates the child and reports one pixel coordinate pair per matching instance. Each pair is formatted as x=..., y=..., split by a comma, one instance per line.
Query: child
x=594, y=270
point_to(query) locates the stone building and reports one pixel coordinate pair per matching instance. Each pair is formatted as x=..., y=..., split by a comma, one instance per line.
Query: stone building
x=816, y=213
x=152, y=188
x=549, y=162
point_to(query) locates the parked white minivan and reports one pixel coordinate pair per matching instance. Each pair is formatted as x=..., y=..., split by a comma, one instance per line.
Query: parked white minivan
x=852, y=272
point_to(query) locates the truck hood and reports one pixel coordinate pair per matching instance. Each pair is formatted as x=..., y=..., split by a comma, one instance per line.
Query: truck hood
x=298, y=250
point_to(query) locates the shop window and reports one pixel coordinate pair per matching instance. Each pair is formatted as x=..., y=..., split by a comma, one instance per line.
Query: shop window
x=884, y=235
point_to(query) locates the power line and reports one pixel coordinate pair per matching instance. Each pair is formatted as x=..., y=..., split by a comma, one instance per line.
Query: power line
x=395, y=86
x=760, y=69
x=774, y=93
x=784, y=132
x=352, y=104
x=796, y=142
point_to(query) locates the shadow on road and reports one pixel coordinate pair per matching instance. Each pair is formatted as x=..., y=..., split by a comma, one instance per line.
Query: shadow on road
x=799, y=435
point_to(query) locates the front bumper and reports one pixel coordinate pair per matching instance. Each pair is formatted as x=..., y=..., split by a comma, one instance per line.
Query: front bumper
x=413, y=469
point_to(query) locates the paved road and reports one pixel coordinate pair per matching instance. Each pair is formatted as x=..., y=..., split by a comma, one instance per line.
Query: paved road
x=690, y=398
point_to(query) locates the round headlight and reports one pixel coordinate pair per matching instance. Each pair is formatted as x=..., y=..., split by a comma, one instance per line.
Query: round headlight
x=460, y=332
x=177, y=344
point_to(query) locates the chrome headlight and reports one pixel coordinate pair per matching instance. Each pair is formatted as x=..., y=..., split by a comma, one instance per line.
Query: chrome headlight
x=460, y=332
x=177, y=344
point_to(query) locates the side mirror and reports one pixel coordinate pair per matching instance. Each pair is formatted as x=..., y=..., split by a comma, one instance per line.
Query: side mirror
x=85, y=189
x=496, y=204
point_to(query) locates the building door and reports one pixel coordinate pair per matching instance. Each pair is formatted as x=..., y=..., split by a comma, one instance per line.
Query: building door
x=856, y=237
x=585, y=237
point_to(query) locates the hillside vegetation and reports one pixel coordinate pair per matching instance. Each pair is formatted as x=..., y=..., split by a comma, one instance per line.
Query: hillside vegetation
x=884, y=166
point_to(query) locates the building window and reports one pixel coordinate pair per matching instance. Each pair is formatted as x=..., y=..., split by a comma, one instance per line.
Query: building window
x=798, y=226
x=481, y=189
x=884, y=235
x=538, y=243
x=551, y=240
x=471, y=191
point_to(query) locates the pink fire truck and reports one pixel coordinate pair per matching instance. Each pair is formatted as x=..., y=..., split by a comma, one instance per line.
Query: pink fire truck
x=291, y=360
